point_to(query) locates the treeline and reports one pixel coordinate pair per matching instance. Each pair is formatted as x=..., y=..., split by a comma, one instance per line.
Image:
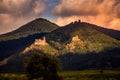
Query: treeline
x=104, y=60
x=72, y=61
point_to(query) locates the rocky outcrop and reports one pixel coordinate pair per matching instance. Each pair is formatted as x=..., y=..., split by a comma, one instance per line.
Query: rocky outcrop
x=42, y=45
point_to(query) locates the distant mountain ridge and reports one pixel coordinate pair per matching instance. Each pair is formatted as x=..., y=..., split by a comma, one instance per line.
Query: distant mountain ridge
x=38, y=25
x=111, y=32
x=80, y=37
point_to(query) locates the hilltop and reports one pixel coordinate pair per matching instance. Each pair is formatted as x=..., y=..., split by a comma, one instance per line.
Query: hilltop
x=38, y=25
x=17, y=40
x=80, y=37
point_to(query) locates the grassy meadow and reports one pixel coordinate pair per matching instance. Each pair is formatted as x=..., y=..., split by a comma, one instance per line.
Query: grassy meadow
x=71, y=75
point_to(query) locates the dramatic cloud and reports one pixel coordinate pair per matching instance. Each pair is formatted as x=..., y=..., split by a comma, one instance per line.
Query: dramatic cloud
x=14, y=13
x=101, y=12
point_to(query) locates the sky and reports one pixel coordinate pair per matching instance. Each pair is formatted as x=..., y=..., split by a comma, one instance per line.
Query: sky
x=15, y=13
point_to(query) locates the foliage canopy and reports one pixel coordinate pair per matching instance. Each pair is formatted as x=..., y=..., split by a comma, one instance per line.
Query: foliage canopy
x=42, y=66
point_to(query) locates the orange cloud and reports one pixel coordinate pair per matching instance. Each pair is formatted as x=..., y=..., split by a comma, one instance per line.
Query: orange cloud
x=101, y=12
x=14, y=13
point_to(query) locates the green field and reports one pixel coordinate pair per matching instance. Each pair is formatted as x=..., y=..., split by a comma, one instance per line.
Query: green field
x=71, y=75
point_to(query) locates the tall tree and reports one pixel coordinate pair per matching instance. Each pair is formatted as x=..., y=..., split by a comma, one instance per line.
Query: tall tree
x=42, y=66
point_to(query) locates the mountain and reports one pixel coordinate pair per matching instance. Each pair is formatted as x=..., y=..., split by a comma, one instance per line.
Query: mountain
x=78, y=45
x=16, y=41
x=80, y=37
x=39, y=25
x=15, y=46
x=113, y=33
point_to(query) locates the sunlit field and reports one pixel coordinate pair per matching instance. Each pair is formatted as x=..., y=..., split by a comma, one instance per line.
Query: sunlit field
x=71, y=75
x=91, y=75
